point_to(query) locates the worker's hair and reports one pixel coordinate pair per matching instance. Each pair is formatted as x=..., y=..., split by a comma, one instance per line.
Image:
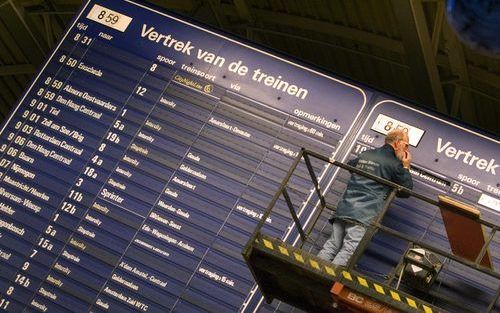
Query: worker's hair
x=395, y=135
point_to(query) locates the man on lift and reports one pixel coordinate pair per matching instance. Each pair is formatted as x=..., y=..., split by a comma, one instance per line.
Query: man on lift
x=364, y=198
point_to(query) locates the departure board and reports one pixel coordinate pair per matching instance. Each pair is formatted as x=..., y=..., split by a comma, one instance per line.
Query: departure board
x=448, y=159
x=142, y=156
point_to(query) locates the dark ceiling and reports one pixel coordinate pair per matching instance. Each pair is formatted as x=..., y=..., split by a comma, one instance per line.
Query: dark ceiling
x=404, y=47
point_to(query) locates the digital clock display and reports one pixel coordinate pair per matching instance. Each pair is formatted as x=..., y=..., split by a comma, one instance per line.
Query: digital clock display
x=384, y=124
x=109, y=18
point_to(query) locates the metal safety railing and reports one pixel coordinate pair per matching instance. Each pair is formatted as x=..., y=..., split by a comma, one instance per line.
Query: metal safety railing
x=376, y=226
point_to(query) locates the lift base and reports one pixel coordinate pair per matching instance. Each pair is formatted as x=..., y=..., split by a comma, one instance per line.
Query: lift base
x=303, y=280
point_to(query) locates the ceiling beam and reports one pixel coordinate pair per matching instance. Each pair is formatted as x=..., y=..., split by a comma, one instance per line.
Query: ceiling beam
x=28, y=3
x=419, y=53
x=221, y=18
x=305, y=23
x=19, y=69
x=476, y=73
x=478, y=92
x=243, y=10
x=438, y=23
x=458, y=67
x=7, y=95
x=21, y=14
x=19, y=46
x=48, y=30
x=44, y=13
x=484, y=76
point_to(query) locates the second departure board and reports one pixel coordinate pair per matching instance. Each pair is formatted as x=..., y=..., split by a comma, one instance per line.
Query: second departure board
x=142, y=156
x=447, y=159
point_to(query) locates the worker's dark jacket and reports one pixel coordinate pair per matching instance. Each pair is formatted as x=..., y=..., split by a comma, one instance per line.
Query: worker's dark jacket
x=364, y=198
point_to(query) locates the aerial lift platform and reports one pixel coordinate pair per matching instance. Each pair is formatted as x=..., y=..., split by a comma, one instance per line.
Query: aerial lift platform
x=290, y=274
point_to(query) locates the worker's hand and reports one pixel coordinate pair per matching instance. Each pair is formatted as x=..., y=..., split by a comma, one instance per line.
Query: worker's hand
x=406, y=160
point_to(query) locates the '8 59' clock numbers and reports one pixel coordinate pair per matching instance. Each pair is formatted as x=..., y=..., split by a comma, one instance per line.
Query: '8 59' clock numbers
x=109, y=18
x=384, y=124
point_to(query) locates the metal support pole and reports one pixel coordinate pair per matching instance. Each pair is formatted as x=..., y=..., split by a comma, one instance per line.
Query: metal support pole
x=493, y=303
x=485, y=247
x=294, y=215
x=318, y=214
x=314, y=179
x=246, y=249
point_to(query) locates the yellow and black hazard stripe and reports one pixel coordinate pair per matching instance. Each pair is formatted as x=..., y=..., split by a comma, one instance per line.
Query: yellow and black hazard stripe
x=364, y=285
x=385, y=293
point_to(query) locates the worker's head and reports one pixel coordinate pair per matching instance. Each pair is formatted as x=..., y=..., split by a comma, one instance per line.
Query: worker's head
x=398, y=139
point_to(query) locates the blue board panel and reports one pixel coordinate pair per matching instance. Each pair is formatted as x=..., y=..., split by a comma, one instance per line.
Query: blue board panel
x=144, y=152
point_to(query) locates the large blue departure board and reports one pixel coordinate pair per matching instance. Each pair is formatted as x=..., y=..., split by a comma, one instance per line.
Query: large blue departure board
x=141, y=157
